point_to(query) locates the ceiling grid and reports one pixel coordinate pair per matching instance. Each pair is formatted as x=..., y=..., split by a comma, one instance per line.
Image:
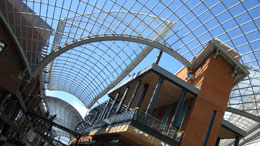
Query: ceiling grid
x=184, y=27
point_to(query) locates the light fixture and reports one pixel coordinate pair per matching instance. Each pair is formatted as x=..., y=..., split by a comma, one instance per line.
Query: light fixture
x=2, y=46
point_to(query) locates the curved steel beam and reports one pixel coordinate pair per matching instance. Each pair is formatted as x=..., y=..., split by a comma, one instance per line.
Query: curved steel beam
x=243, y=113
x=111, y=37
x=120, y=11
x=78, y=124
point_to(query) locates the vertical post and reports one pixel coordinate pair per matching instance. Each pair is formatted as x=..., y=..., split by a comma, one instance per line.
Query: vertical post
x=150, y=121
x=93, y=120
x=142, y=95
x=165, y=118
x=158, y=58
x=100, y=114
x=133, y=95
x=77, y=142
x=4, y=98
x=177, y=110
x=103, y=112
x=155, y=96
x=183, y=97
x=217, y=142
x=113, y=104
x=237, y=141
x=122, y=100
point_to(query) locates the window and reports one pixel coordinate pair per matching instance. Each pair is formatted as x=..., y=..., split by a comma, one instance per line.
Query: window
x=210, y=127
x=2, y=46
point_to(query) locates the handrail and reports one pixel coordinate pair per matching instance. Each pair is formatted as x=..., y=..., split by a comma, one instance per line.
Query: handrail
x=140, y=117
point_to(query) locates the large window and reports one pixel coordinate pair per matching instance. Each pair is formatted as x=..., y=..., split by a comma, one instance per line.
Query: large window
x=2, y=46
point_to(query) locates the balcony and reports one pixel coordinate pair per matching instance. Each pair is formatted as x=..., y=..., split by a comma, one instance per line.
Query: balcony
x=142, y=121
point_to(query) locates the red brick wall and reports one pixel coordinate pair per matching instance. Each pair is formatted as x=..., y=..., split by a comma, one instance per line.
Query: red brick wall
x=10, y=64
x=26, y=26
x=215, y=81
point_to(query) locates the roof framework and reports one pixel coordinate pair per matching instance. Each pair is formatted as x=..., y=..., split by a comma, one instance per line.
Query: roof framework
x=184, y=27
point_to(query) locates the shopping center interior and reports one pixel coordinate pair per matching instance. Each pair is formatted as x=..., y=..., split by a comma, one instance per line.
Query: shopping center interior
x=147, y=72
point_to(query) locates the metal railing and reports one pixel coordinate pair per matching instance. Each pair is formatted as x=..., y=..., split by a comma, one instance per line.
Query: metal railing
x=156, y=124
x=140, y=117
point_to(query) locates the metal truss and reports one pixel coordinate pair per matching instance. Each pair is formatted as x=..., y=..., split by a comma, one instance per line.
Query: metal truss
x=244, y=114
x=126, y=32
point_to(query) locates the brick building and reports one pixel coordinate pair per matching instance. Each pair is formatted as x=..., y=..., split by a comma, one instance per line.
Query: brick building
x=202, y=89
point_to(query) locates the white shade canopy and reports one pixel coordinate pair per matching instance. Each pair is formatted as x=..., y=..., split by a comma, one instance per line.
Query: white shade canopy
x=66, y=115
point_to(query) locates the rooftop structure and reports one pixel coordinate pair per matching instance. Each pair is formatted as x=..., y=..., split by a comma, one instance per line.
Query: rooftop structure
x=90, y=48
x=167, y=109
x=65, y=114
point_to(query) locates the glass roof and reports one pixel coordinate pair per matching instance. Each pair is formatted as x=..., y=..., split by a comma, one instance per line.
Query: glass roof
x=124, y=32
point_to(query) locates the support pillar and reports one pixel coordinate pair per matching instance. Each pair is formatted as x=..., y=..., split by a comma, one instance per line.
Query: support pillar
x=217, y=142
x=165, y=118
x=237, y=141
x=112, y=106
x=4, y=98
x=177, y=111
x=106, y=110
x=155, y=96
x=142, y=95
x=133, y=95
x=122, y=100
x=93, y=120
x=77, y=141
x=103, y=112
x=158, y=58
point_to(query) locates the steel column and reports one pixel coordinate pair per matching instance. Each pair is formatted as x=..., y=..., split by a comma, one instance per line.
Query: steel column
x=183, y=97
x=158, y=58
x=21, y=101
x=155, y=96
x=133, y=95
x=177, y=111
x=142, y=95
x=237, y=141
x=113, y=104
x=217, y=142
x=93, y=120
x=4, y=98
x=103, y=112
x=165, y=118
x=122, y=100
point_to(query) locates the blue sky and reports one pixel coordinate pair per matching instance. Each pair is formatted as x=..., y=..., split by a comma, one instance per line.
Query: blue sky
x=167, y=62
x=189, y=36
